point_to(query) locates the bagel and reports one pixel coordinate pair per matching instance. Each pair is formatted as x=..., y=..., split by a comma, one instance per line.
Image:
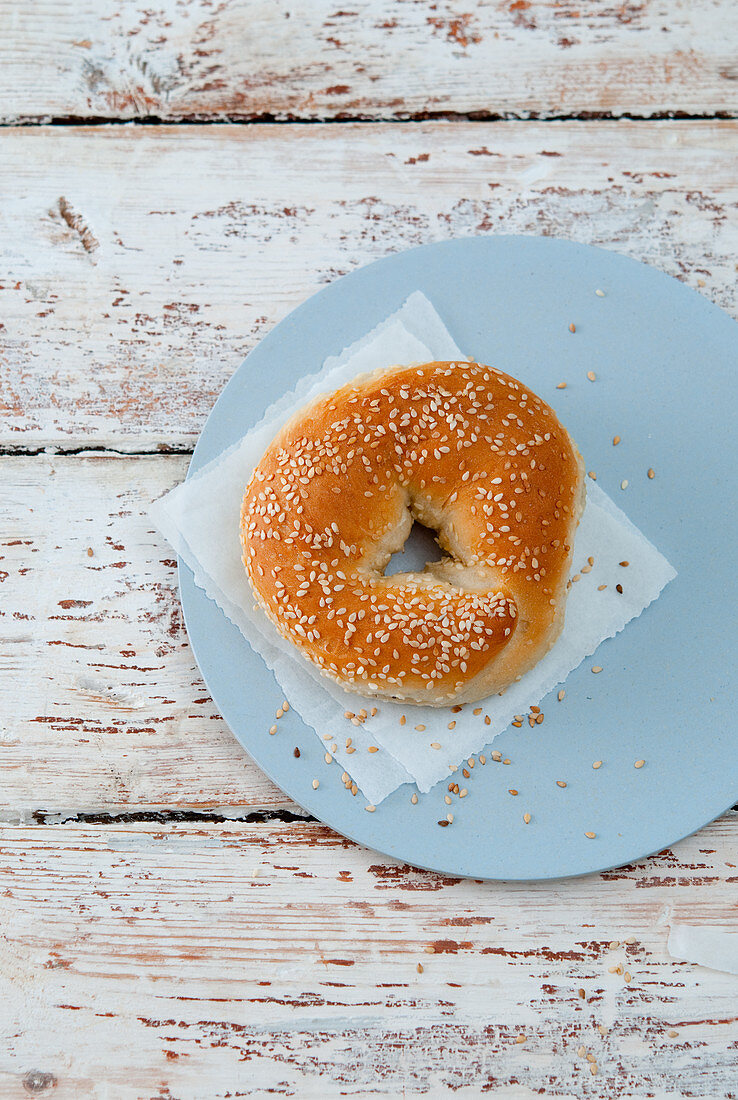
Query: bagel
x=463, y=449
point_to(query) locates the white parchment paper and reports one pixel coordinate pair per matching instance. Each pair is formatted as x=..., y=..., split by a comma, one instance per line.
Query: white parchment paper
x=201, y=520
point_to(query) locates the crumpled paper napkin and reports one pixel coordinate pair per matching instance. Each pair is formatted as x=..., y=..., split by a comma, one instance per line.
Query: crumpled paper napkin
x=201, y=520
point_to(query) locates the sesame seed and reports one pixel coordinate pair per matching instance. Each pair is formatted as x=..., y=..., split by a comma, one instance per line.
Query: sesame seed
x=370, y=809
x=456, y=710
x=285, y=706
x=420, y=728
x=597, y=764
x=419, y=968
x=451, y=726
x=590, y=561
x=430, y=949
x=592, y=474
x=581, y=1051
x=600, y=293
x=615, y=440
x=591, y=835
x=601, y=587
x=328, y=758
x=520, y=1038
x=517, y=725
x=449, y=818
x=316, y=784
x=447, y=800
x=482, y=759
x=280, y=712
x=561, y=695
x=639, y=763
x=591, y=375
x=582, y=996
x=572, y=327
x=372, y=748
x=673, y=1034
x=624, y=483
x=593, y=1068
x=507, y=761
x=561, y=386
x=630, y=940
x=526, y=819
x=627, y=977
x=596, y=668
x=613, y=944
x=619, y=588
x=539, y=719
x=463, y=792
x=624, y=564
x=435, y=744
x=612, y=969
x=296, y=752
x=414, y=799
x=487, y=720
x=373, y=711
x=403, y=720
x=443, y=824
x=512, y=791
x=535, y=710
x=560, y=783
x=90, y=552
x=272, y=730
x=651, y=473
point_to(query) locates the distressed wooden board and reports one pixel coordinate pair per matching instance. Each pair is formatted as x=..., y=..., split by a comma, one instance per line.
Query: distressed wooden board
x=103, y=709
x=141, y=264
x=188, y=962
x=377, y=58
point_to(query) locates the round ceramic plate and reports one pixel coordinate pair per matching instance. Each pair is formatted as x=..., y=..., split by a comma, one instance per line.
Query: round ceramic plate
x=665, y=361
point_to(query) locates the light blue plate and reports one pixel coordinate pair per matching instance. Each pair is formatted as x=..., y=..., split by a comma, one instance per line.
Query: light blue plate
x=666, y=362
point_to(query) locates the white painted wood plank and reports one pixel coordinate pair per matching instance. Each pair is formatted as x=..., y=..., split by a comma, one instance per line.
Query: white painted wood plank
x=184, y=962
x=374, y=58
x=102, y=707
x=141, y=264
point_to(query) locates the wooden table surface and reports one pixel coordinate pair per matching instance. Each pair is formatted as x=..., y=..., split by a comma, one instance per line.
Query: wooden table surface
x=171, y=924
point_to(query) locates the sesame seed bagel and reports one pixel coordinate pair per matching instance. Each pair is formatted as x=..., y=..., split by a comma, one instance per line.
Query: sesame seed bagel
x=462, y=448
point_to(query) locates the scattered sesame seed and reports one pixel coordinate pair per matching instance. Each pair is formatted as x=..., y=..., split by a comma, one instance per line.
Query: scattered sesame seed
x=280, y=712
x=593, y=1068
x=487, y=720
x=328, y=758
x=560, y=783
x=517, y=725
x=420, y=728
x=496, y=754
x=624, y=564
x=456, y=710
x=90, y=552
x=443, y=824
x=296, y=752
x=526, y=819
x=601, y=587
x=372, y=748
x=403, y=720
x=535, y=710
x=596, y=668
x=316, y=784
x=630, y=940
x=651, y=473
x=592, y=474
x=597, y=764
x=624, y=483
x=581, y=1051
x=627, y=977
x=572, y=327
x=520, y=1038
x=482, y=759
x=465, y=773
x=561, y=695
x=272, y=730
x=449, y=818
x=373, y=711
x=673, y=1034
x=512, y=791
x=470, y=761
x=507, y=760
x=612, y=969
x=600, y=293
x=639, y=763
x=615, y=440
x=590, y=560
x=561, y=386
x=591, y=375
x=430, y=949
x=477, y=710
x=414, y=799
x=370, y=809
x=539, y=719
x=419, y=968
x=591, y=836
x=435, y=744
x=619, y=588
x=463, y=792
x=613, y=944
x=451, y=726
x=447, y=800
x=582, y=995
x=285, y=706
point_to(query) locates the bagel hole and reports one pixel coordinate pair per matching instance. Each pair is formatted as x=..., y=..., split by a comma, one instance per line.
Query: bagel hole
x=421, y=548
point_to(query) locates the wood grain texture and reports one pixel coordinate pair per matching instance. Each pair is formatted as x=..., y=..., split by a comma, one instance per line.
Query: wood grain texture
x=253, y=960
x=141, y=264
x=103, y=708
x=245, y=59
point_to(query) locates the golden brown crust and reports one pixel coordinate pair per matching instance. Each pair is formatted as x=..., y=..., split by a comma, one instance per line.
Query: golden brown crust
x=461, y=447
